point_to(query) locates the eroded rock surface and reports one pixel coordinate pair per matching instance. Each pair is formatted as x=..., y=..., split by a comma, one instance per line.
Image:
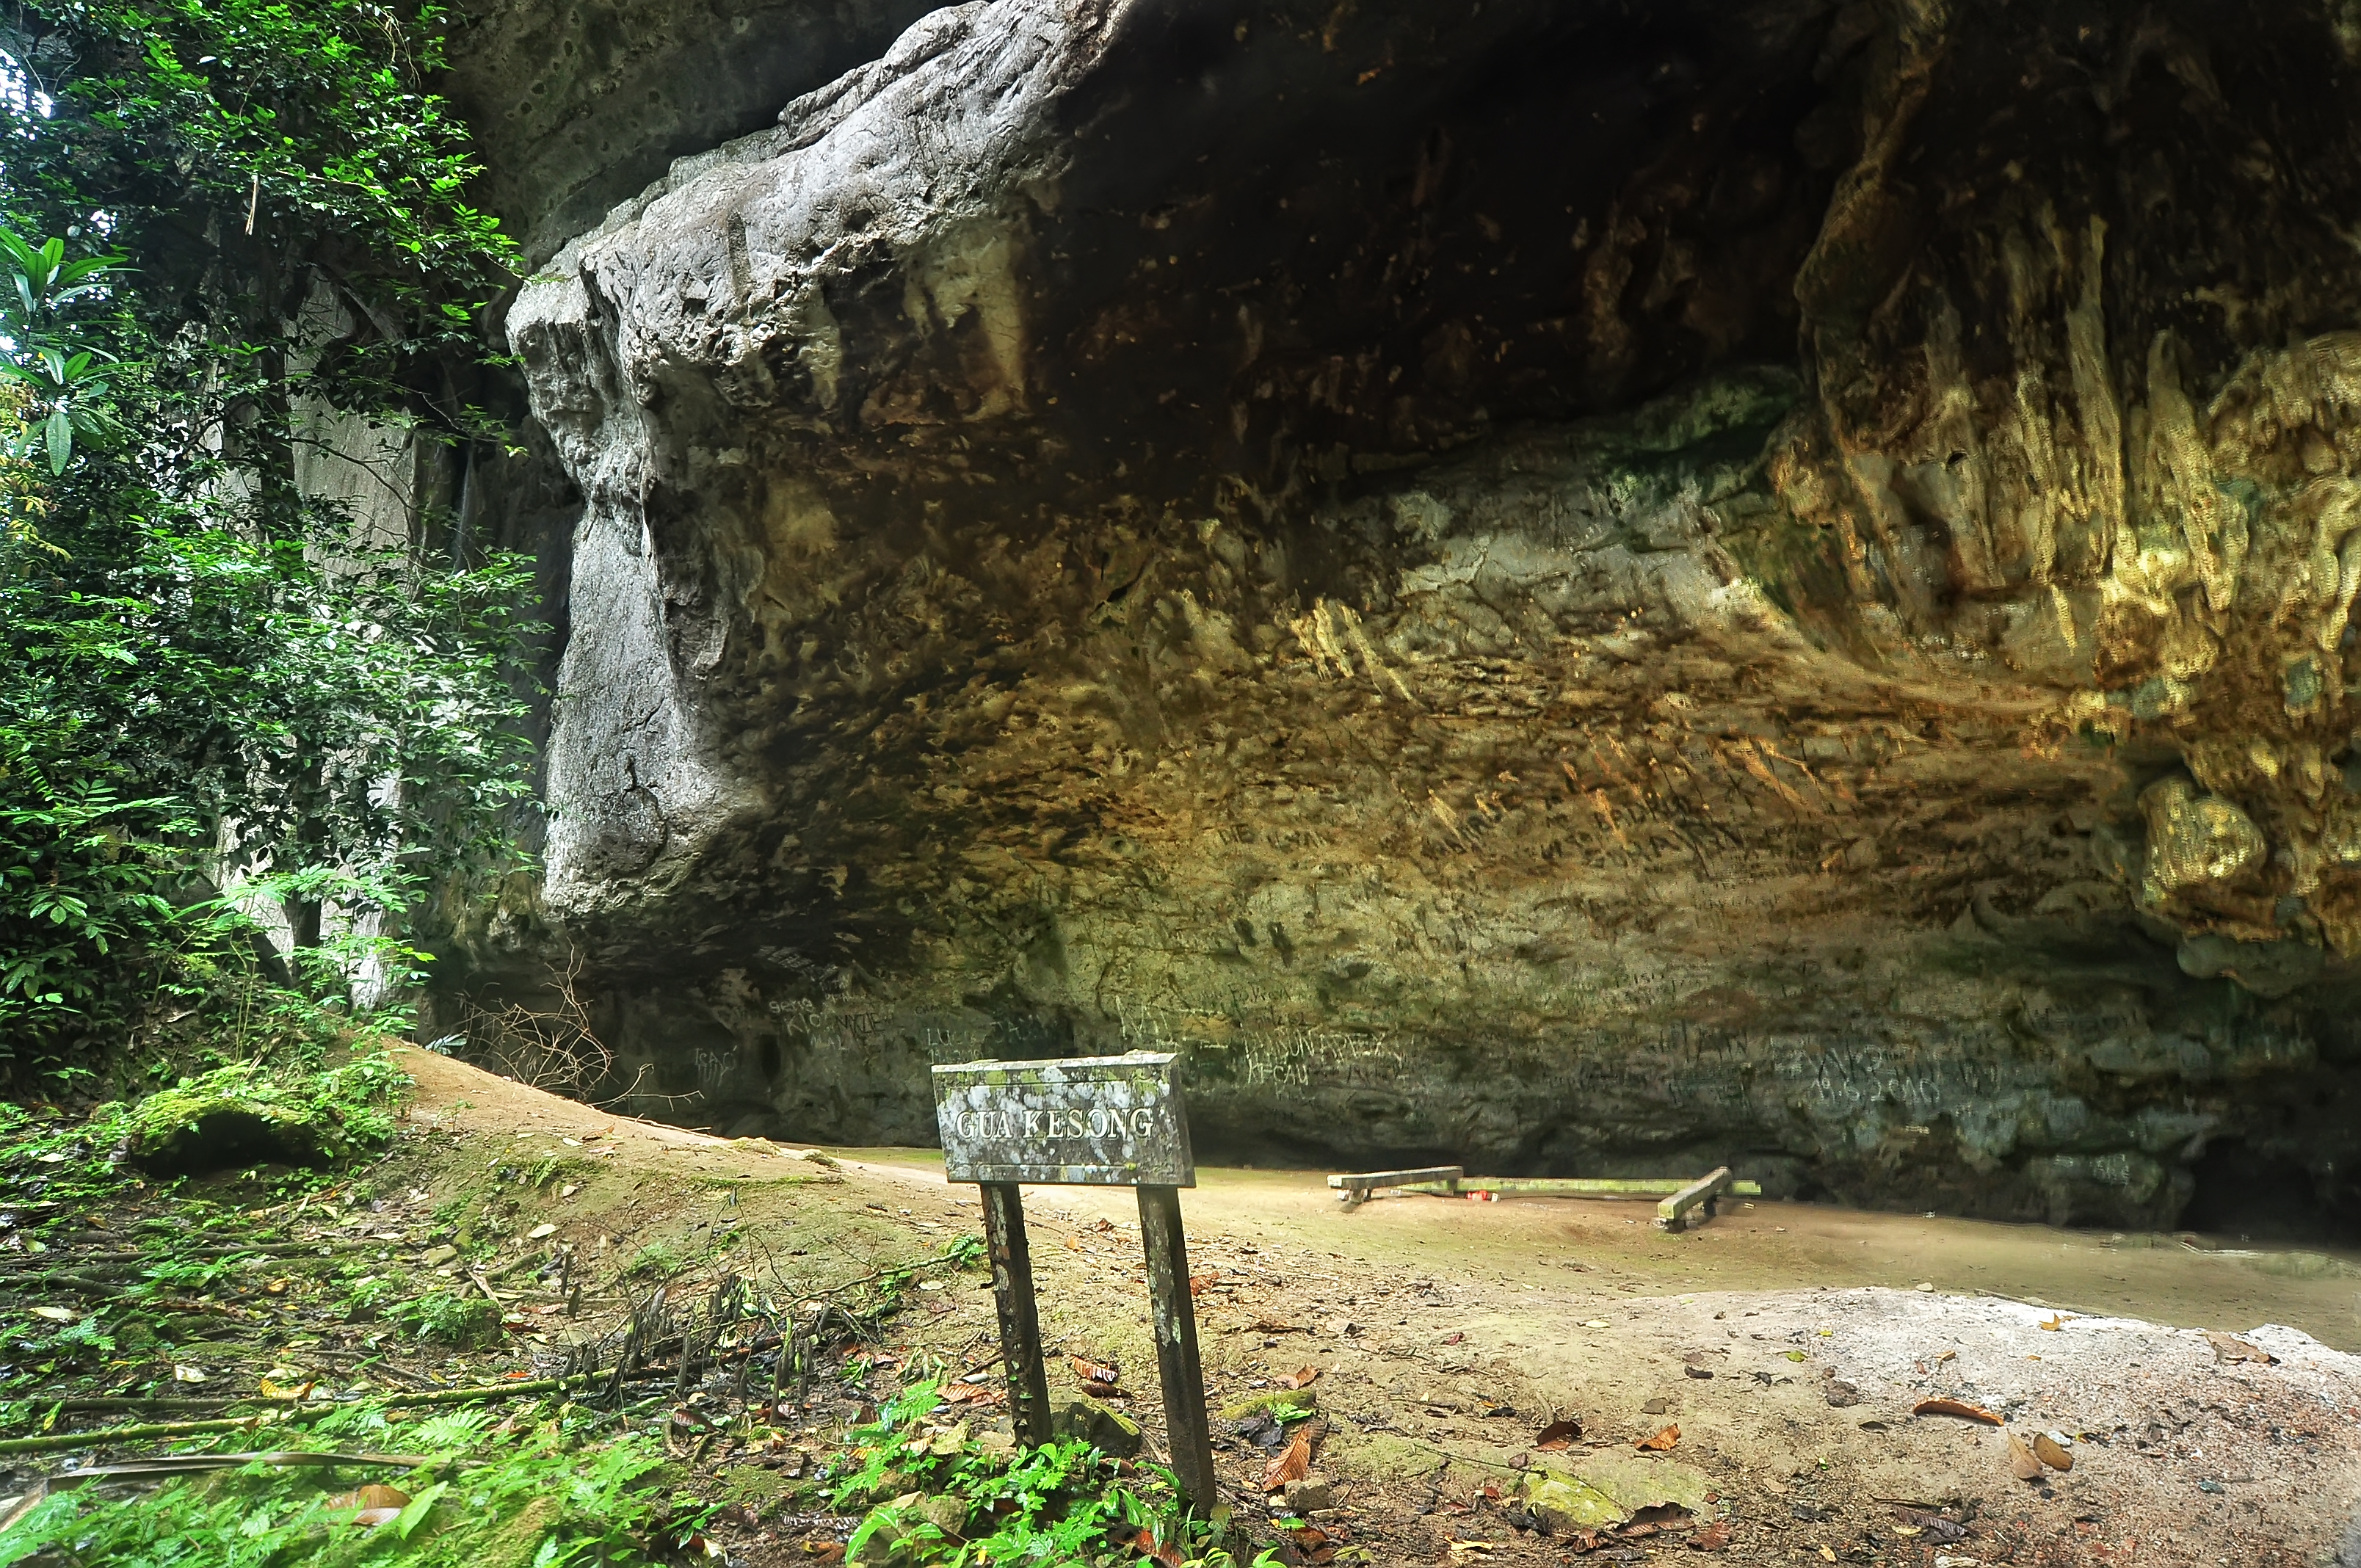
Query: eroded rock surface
x=1584, y=587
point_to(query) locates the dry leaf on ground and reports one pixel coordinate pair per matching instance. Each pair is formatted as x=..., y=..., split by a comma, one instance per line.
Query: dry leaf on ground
x=1271, y=1326
x=2021, y=1462
x=1558, y=1435
x=1662, y=1442
x=1921, y=1522
x=1302, y=1379
x=1959, y=1407
x=373, y=1505
x=971, y=1394
x=1714, y=1537
x=1155, y=1550
x=2229, y=1347
x=2055, y=1321
x=1292, y=1463
x=1201, y=1283
x=1088, y=1372
x=2052, y=1453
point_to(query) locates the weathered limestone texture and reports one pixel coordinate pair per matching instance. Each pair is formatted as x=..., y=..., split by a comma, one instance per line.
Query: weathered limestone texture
x=576, y=103
x=1591, y=587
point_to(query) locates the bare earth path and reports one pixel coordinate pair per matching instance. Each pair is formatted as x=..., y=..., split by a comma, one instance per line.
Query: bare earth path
x=1787, y=1344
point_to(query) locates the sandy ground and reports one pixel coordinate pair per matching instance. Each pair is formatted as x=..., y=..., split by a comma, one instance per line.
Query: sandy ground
x=1445, y=1336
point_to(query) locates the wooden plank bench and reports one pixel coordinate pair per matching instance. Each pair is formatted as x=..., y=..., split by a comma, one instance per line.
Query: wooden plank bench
x=1673, y=1213
x=1353, y=1191
x=1679, y=1196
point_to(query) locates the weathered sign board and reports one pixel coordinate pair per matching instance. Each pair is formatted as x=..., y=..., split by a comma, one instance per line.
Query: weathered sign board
x=1083, y=1122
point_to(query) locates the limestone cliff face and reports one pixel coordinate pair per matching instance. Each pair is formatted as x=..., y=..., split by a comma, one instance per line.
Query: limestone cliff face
x=1584, y=586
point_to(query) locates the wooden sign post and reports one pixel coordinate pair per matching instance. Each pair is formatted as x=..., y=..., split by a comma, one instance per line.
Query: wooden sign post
x=1083, y=1122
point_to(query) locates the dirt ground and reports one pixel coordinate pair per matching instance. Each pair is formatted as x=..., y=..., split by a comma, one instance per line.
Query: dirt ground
x=1787, y=1344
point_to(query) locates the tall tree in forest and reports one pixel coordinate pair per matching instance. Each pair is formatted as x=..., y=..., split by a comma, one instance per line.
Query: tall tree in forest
x=229, y=224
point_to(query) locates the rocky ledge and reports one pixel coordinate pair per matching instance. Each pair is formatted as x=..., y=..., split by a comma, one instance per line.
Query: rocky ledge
x=1591, y=587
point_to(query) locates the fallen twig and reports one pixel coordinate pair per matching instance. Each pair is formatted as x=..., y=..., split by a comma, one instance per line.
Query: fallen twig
x=166, y=1253
x=186, y=1463
x=485, y=1391
x=134, y=1402
x=55, y=1442
x=71, y=1282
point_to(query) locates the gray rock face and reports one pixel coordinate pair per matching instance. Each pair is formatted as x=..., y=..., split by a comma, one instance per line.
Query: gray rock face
x=577, y=103
x=1576, y=591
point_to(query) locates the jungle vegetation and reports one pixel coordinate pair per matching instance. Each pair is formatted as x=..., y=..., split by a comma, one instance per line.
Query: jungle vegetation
x=233, y=228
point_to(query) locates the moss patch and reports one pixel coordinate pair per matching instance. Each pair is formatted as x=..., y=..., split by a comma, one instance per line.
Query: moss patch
x=244, y=1114
x=1275, y=1400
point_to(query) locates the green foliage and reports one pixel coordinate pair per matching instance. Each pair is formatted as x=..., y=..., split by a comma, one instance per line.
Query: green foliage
x=1063, y=1503
x=656, y=1260
x=452, y=1317
x=542, y=1500
x=77, y=1166
x=348, y=724
x=67, y=383
x=85, y=1342
x=331, y=1114
x=225, y=219
x=300, y=142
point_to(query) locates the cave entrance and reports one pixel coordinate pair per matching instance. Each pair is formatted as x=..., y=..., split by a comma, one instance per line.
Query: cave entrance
x=2244, y=1193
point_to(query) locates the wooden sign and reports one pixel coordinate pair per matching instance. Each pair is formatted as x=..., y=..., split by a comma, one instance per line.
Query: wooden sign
x=1083, y=1122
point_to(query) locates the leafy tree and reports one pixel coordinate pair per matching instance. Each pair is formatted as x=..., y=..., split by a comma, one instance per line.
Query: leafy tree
x=229, y=224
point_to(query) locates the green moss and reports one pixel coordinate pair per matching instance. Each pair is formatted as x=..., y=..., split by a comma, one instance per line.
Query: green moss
x=1275, y=1400
x=1099, y=1424
x=751, y=1487
x=517, y=1543
x=1608, y=1488
x=247, y=1114
x=653, y=1261
x=1382, y=1456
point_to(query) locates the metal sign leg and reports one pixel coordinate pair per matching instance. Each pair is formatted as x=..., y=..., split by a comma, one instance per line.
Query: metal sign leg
x=1176, y=1346
x=1020, y=1324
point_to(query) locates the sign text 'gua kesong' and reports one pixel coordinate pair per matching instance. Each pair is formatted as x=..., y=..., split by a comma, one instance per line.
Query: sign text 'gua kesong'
x=1081, y=1120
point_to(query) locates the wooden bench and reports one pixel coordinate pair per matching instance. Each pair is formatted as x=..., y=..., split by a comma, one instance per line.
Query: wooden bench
x=1353, y=1191
x=1680, y=1197
x=1673, y=1213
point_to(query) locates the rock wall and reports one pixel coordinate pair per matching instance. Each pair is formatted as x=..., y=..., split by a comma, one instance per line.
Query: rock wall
x=1587, y=587
x=577, y=103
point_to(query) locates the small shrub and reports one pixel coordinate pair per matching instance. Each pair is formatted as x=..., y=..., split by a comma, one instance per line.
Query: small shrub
x=653, y=1261
x=453, y=1317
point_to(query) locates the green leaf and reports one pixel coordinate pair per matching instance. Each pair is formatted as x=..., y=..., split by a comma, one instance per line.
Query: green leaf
x=59, y=437
x=415, y=1510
